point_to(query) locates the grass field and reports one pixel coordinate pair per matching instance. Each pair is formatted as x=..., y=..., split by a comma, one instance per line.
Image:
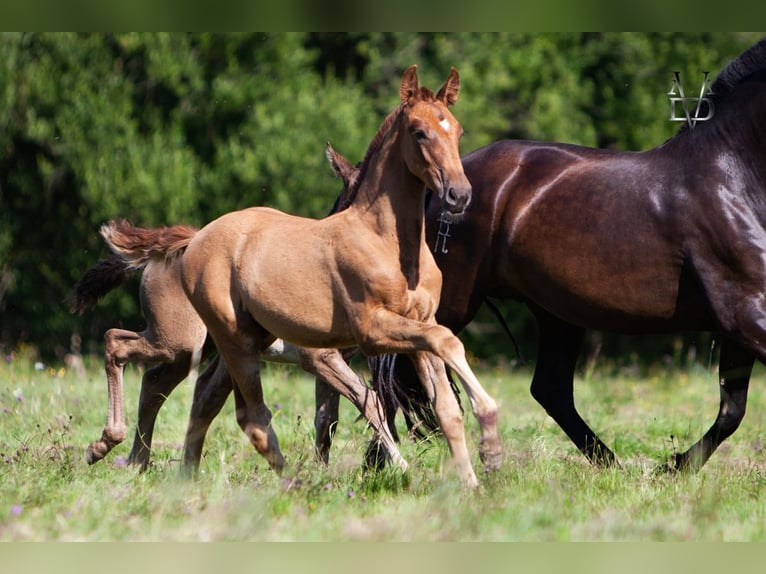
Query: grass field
x=545, y=490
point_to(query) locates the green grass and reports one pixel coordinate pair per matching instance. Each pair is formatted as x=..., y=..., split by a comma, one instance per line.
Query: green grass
x=545, y=491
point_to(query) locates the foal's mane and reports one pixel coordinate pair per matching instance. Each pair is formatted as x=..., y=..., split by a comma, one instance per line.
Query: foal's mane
x=375, y=144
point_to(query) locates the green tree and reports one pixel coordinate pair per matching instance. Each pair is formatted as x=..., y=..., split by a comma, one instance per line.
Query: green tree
x=180, y=128
x=158, y=128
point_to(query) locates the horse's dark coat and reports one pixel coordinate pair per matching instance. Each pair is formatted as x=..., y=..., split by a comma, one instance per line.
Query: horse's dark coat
x=670, y=239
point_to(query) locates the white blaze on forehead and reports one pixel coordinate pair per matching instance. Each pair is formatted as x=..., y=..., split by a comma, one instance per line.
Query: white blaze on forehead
x=445, y=124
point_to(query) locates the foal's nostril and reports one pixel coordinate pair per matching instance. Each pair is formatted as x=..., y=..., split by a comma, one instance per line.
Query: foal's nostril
x=456, y=200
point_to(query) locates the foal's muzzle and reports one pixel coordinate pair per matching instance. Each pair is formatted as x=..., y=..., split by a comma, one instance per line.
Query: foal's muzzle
x=455, y=199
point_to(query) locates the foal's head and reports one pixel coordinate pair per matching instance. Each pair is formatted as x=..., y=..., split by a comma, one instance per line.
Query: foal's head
x=430, y=144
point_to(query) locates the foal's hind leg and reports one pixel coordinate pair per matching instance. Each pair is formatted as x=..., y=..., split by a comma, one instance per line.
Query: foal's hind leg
x=553, y=385
x=210, y=393
x=122, y=347
x=156, y=384
x=238, y=351
x=734, y=370
x=331, y=367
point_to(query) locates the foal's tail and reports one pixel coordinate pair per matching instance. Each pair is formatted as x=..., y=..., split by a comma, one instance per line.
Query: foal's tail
x=138, y=245
x=132, y=248
x=103, y=277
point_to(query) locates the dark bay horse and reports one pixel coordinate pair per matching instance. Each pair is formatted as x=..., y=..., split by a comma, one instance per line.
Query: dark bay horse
x=670, y=239
x=372, y=279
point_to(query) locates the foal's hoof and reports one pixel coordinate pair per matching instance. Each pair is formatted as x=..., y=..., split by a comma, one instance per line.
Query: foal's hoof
x=492, y=459
x=471, y=482
x=96, y=451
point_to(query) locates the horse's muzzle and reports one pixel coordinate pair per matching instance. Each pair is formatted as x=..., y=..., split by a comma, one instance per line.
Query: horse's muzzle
x=456, y=199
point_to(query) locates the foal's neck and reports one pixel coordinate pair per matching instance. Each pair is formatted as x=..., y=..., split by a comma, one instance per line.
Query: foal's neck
x=391, y=202
x=391, y=199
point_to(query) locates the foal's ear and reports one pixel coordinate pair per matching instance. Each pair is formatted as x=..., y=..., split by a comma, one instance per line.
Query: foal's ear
x=449, y=91
x=409, y=87
x=341, y=166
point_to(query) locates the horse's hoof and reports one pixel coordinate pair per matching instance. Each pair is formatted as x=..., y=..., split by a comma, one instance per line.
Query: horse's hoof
x=139, y=460
x=95, y=452
x=471, y=482
x=375, y=458
x=492, y=460
x=142, y=465
x=673, y=466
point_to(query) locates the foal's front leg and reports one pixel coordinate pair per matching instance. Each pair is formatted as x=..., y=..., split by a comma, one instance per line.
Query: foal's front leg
x=327, y=400
x=392, y=333
x=433, y=376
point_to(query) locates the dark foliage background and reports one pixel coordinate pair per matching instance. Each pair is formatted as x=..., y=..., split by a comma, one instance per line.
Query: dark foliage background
x=180, y=128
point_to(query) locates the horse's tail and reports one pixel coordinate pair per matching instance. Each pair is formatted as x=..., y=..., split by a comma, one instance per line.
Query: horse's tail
x=398, y=387
x=395, y=380
x=138, y=245
x=103, y=277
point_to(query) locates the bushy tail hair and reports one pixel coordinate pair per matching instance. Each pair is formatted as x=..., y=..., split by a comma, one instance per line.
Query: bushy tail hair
x=398, y=387
x=395, y=380
x=103, y=277
x=138, y=245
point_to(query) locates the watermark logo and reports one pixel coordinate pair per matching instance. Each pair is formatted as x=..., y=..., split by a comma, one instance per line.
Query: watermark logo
x=694, y=109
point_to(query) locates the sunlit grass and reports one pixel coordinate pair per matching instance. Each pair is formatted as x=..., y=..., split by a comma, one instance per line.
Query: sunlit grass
x=545, y=491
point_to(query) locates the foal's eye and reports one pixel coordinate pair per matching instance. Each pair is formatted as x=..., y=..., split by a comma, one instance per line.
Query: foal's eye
x=420, y=135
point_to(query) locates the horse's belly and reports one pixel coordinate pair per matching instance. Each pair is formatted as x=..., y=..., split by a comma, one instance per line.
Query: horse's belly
x=298, y=307
x=643, y=294
x=307, y=324
x=612, y=305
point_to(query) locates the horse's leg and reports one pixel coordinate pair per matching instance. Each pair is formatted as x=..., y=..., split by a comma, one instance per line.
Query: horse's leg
x=253, y=416
x=736, y=364
x=120, y=347
x=553, y=385
x=392, y=333
x=433, y=376
x=156, y=385
x=329, y=365
x=210, y=393
x=326, y=417
x=327, y=400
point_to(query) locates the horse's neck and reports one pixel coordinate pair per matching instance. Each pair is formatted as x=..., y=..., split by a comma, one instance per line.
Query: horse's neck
x=729, y=151
x=391, y=199
x=736, y=129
